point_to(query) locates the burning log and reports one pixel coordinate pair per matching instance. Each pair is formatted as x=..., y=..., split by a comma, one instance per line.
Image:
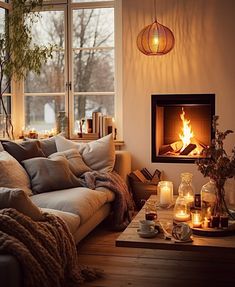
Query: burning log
x=165, y=149
x=188, y=149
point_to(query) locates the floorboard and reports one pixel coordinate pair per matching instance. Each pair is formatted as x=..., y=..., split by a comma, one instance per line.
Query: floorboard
x=145, y=267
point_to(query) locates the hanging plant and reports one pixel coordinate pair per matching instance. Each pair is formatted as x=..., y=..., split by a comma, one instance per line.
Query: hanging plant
x=218, y=165
x=18, y=54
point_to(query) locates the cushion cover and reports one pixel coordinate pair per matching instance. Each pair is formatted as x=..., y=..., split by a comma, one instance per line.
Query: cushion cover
x=12, y=174
x=18, y=199
x=49, y=174
x=72, y=220
x=98, y=155
x=80, y=200
x=76, y=163
x=24, y=150
x=48, y=146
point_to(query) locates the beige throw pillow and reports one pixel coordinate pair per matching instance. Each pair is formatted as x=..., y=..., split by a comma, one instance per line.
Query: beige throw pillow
x=12, y=174
x=98, y=155
x=17, y=198
x=76, y=163
x=50, y=174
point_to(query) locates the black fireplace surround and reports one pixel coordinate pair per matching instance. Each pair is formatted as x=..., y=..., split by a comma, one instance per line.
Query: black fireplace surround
x=166, y=121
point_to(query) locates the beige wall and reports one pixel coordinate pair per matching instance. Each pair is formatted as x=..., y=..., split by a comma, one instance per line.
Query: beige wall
x=202, y=61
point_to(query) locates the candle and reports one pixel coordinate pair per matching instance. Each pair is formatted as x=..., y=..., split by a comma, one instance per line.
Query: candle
x=206, y=222
x=189, y=198
x=165, y=189
x=196, y=219
x=182, y=216
x=165, y=195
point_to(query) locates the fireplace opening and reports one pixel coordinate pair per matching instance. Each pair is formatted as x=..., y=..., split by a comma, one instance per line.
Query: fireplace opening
x=181, y=126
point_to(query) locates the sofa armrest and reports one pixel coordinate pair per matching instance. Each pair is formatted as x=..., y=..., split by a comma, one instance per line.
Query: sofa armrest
x=10, y=274
x=122, y=163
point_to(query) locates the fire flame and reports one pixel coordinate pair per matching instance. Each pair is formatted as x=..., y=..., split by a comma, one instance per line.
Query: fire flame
x=186, y=131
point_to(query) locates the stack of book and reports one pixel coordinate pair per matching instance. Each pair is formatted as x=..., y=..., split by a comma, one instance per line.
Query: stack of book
x=143, y=184
x=101, y=124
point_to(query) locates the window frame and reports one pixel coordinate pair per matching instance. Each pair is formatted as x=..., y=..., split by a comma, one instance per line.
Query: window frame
x=18, y=110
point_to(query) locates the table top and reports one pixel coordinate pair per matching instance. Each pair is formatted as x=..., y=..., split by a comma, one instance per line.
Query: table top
x=130, y=238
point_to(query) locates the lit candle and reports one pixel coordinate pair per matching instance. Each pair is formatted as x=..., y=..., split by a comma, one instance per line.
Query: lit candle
x=206, y=222
x=165, y=195
x=189, y=198
x=196, y=219
x=182, y=216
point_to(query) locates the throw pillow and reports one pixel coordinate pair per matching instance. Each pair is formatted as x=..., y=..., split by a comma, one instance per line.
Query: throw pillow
x=48, y=146
x=24, y=150
x=76, y=163
x=1, y=147
x=49, y=174
x=17, y=198
x=98, y=155
x=12, y=174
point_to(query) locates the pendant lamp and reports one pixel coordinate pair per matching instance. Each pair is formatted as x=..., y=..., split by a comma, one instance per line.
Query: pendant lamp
x=155, y=39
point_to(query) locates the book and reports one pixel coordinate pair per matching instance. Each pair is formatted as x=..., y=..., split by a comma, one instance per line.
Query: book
x=137, y=174
x=146, y=173
x=96, y=122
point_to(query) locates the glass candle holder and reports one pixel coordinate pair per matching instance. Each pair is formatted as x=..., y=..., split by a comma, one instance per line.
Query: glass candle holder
x=165, y=190
x=196, y=218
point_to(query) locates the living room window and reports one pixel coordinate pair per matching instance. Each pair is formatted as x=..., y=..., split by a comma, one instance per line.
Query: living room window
x=81, y=77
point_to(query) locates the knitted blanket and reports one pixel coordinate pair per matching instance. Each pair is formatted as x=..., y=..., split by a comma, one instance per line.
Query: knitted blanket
x=123, y=205
x=45, y=250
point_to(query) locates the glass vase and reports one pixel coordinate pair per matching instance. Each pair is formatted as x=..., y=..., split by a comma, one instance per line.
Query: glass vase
x=186, y=188
x=208, y=199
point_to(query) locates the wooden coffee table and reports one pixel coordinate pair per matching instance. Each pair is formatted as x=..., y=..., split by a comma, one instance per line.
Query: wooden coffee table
x=130, y=237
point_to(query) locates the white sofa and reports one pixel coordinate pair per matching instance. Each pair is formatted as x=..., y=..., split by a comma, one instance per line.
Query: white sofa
x=81, y=208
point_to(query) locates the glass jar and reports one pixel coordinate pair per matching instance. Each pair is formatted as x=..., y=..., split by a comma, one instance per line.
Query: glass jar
x=181, y=209
x=208, y=198
x=186, y=188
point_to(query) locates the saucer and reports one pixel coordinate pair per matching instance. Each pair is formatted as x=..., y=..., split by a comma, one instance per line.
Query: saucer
x=147, y=234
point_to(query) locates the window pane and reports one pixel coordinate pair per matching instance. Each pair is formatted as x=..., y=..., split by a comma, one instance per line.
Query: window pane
x=2, y=21
x=93, y=28
x=85, y=105
x=49, y=29
x=82, y=1
x=94, y=71
x=51, y=78
x=7, y=102
x=41, y=111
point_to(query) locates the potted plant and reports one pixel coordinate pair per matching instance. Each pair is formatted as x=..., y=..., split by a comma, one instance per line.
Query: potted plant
x=18, y=55
x=219, y=166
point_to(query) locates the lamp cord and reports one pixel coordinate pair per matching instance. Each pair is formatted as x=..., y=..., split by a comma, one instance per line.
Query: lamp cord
x=155, y=13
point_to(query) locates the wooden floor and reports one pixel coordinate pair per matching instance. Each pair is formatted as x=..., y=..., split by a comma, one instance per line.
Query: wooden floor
x=146, y=268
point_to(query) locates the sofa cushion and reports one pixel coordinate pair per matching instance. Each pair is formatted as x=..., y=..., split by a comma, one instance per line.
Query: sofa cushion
x=24, y=150
x=72, y=220
x=12, y=174
x=76, y=163
x=18, y=199
x=98, y=155
x=80, y=200
x=49, y=174
x=48, y=146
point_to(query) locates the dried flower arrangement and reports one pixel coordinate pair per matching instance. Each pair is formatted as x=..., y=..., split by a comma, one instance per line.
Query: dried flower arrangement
x=218, y=165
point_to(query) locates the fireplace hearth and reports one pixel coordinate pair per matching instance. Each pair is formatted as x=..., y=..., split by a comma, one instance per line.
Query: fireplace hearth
x=181, y=126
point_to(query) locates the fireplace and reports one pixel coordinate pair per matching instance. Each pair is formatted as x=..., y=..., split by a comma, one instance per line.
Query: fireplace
x=181, y=126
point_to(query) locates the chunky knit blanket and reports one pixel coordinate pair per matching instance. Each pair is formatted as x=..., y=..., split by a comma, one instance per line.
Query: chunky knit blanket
x=45, y=250
x=123, y=204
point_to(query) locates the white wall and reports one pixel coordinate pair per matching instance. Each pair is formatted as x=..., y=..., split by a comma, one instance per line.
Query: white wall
x=202, y=61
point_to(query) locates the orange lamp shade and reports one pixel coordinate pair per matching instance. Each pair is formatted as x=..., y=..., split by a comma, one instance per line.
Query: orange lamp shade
x=155, y=39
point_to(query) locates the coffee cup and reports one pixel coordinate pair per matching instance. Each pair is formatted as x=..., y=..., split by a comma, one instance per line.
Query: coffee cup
x=146, y=226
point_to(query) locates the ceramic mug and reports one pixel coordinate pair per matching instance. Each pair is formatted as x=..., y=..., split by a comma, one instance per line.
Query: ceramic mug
x=146, y=226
